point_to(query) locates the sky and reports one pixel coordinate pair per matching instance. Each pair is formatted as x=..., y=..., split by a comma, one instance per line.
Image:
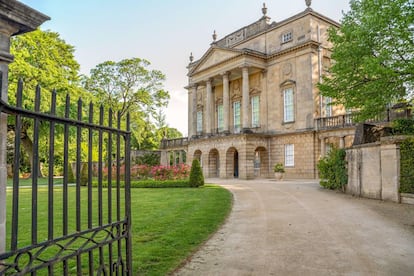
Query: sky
x=164, y=32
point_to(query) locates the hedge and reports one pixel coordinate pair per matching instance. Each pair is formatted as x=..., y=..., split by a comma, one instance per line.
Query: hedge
x=407, y=166
x=332, y=170
x=149, y=183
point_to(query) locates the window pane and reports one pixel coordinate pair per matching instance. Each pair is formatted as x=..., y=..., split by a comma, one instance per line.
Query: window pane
x=220, y=118
x=288, y=105
x=199, y=121
x=255, y=111
x=236, y=116
x=290, y=155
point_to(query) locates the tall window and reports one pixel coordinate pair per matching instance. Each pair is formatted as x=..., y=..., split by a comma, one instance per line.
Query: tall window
x=328, y=106
x=199, y=121
x=220, y=117
x=289, y=155
x=255, y=111
x=288, y=107
x=236, y=116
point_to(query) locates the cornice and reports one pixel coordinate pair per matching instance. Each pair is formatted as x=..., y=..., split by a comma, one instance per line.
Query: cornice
x=25, y=18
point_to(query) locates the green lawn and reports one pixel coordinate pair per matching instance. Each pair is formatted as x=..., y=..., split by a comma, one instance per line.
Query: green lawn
x=40, y=181
x=167, y=224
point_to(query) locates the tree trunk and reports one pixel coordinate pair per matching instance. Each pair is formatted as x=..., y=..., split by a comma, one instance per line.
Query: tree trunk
x=28, y=148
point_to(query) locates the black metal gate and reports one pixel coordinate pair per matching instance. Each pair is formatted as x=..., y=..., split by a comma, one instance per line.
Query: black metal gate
x=64, y=226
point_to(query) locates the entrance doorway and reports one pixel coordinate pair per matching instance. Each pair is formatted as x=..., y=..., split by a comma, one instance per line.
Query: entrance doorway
x=236, y=164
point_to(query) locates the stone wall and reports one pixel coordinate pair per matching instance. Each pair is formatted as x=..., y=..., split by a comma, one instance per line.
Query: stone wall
x=373, y=170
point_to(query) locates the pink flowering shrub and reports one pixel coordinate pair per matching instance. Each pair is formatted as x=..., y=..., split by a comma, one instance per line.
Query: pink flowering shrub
x=181, y=171
x=178, y=172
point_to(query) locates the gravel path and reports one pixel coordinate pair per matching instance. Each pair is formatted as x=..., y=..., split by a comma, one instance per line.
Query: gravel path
x=297, y=228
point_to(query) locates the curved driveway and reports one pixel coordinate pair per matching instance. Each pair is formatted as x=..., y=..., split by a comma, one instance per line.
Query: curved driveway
x=297, y=228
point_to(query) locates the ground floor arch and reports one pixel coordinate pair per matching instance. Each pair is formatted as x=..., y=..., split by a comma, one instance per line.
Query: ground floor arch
x=214, y=163
x=261, y=162
x=232, y=163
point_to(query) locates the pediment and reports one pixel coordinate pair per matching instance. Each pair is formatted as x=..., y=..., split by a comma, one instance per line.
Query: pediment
x=215, y=56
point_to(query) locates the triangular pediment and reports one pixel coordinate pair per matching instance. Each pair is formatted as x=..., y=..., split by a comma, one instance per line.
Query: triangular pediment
x=215, y=56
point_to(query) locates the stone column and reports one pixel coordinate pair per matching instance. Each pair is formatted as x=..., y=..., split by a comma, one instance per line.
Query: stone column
x=180, y=157
x=174, y=157
x=193, y=111
x=341, y=142
x=164, y=158
x=245, y=98
x=209, y=104
x=226, y=103
x=15, y=18
x=190, y=112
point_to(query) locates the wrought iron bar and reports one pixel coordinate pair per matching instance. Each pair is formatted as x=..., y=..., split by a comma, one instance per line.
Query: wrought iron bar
x=66, y=177
x=100, y=152
x=78, y=182
x=110, y=181
x=90, y=143
x=35, y=166
x=51, y=162
x=127, y=190
x=17, y=136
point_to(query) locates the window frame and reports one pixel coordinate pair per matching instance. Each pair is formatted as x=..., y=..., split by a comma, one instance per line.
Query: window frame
x=289, y=155
x=220, y=117
x=237, y=127
x=199, y=128
x=255, y=102
x=288, y=107
x=287, y=37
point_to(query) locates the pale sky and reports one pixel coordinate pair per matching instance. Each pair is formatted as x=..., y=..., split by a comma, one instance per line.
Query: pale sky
x=161, y=31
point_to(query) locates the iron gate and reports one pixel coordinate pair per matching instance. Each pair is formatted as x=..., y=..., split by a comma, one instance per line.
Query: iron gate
x=69, y=228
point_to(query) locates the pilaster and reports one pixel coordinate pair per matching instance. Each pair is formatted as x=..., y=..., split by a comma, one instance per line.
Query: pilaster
x=226, y=102
x=209, y=106
x=245, y=97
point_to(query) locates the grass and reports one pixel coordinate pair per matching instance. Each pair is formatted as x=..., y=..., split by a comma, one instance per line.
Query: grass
x=25, y=182
x=167, y=224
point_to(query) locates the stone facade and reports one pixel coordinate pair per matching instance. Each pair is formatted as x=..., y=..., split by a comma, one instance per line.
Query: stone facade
x=254, y=101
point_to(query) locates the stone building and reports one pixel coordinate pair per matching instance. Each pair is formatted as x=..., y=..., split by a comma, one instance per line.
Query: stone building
x=254, y=101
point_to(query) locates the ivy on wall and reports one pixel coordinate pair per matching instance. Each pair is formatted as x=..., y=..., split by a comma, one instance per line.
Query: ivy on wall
x=407, y=166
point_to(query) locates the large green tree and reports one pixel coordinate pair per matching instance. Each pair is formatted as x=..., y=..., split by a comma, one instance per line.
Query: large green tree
x=43, y=58
x=373, y=54
x=130, y=86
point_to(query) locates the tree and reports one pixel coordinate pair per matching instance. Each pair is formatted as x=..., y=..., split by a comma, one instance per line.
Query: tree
x=42, y=57
x=196, y=174
x=373, y=57
x=129, y=86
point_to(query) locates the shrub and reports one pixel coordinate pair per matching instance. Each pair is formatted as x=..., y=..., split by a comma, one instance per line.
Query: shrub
x=84, y=175
x=149, y=159
x=279, y=168
x=332, y=170
x=403, y=127
x=407, y=166
x=196, y=174
x=71, y=176
x=150, y=183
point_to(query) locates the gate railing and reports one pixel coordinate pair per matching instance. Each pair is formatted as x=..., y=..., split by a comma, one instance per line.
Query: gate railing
x=71, y=229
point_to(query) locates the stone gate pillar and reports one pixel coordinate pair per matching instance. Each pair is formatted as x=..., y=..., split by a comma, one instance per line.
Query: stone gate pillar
x=15, y=18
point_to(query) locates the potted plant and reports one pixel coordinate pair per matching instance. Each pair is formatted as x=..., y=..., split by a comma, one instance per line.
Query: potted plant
x=279, y=170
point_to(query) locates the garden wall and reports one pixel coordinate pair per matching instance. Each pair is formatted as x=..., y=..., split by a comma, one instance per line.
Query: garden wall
x=374, y=170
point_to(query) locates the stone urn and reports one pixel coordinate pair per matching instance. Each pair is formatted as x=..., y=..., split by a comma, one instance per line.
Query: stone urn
x=279, y=176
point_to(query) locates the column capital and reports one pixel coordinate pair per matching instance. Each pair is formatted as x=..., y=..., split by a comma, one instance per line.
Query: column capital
x=245, y=66
x=209, y=80
x=225, y=74
x=192, y=86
